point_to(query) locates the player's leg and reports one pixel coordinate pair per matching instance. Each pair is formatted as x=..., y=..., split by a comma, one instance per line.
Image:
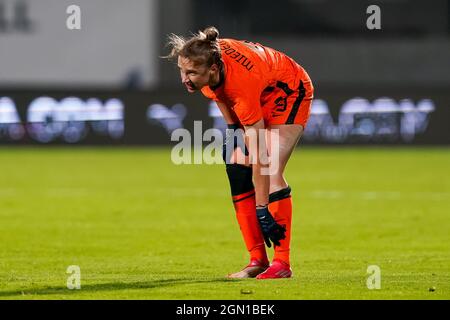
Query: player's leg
x=243, y=194
x=284, y=139
x=287, y=117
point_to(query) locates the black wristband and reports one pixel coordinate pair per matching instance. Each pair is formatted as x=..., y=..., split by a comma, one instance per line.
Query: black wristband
x=233, y=126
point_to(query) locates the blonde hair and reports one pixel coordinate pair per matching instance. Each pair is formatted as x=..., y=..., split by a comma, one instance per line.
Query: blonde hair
x=202, y=48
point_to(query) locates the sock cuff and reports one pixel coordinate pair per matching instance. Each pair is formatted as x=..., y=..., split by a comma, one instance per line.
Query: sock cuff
x=243, y=196
x=280, y=194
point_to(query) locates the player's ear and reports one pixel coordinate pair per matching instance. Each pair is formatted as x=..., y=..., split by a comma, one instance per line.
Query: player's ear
x=214, y=68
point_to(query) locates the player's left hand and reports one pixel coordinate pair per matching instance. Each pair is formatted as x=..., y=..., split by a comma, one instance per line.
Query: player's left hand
x=271, y=230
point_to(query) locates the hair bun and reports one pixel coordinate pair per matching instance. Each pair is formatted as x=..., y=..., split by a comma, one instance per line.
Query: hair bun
x=211, y=33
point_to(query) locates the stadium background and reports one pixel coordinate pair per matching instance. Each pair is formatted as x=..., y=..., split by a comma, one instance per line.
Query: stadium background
x=105, y=85
x=372, y=86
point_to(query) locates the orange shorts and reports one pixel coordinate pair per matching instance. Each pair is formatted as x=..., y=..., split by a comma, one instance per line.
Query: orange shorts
x=288, y=103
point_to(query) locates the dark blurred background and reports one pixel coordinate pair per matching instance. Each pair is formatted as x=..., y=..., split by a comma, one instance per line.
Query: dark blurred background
x=390, y=85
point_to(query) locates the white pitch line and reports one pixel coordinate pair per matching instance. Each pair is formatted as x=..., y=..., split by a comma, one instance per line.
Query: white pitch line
x=7, y=192
x=375, y=195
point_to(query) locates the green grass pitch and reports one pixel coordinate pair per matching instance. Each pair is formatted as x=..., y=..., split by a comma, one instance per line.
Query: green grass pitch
x=140, y=227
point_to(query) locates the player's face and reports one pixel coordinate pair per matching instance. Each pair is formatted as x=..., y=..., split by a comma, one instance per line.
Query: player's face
x=193, y=76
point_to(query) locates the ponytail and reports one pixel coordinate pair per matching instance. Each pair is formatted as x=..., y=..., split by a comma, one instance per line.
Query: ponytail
x=202, y=48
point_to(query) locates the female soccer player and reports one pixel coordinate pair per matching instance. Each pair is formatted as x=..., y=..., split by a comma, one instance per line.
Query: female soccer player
x=256, y=88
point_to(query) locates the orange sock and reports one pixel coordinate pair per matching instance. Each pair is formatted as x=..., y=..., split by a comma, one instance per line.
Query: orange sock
x=280, y=206
x=244, y=205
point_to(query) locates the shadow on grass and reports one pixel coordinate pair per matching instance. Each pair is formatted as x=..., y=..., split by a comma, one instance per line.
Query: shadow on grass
x=110, y=287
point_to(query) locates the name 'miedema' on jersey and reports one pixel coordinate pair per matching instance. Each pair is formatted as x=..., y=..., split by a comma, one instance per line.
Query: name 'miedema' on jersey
x=236, y=55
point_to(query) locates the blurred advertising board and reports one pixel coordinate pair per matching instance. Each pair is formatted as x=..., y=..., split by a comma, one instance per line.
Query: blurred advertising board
x=338, y=117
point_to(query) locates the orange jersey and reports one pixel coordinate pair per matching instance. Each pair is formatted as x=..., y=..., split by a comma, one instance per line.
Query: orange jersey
x=262, y=83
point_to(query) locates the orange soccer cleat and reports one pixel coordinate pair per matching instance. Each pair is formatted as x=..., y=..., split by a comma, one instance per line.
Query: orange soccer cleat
x=277, y=270
x=254, y=268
